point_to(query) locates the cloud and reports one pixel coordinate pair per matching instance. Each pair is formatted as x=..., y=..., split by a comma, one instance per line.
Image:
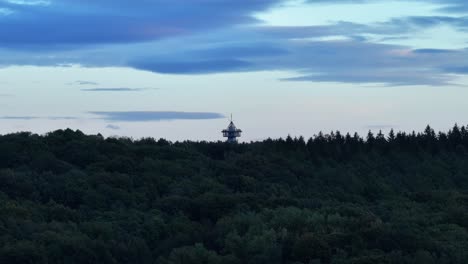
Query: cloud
x=192, y=66
x=414, y=23
x=397, y=78
x=457, y=69
x=129, y=116
x=454, y=6
x=29, y=2
x=115, y=89
x=113, y=127
x=433, y=51
x=340, y=28
x=209, y=36
x=148, y=116
x=84, y=83
x=70, y=23
x=346, y=61
x=61, y=118
x=19, y=117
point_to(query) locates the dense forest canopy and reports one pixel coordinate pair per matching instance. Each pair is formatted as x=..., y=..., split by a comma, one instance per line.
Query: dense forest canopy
x=66, y=197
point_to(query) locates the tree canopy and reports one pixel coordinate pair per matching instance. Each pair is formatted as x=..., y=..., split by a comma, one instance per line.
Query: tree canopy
x=67, y=197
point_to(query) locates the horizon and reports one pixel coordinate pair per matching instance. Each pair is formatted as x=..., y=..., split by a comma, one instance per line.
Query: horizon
x=461, y=128
x=177, y=69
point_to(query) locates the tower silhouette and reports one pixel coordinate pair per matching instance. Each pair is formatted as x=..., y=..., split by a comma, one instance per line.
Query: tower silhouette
x=232, y=132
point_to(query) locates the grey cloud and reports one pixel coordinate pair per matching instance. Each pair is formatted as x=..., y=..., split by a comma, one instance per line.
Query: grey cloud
x=148, y=116
x=70, y=24
x=347, y=61
x=457, y=69
x=398, y=78
x=413, y=23
x=115, y=89
x=330, y=61
x=433, y=51
x=61, y=118
x=237, y=49
x=113, y=127
x=340, y=28
x=194, y=66
x=85, y=83
x=394, y=38
x=19, y=117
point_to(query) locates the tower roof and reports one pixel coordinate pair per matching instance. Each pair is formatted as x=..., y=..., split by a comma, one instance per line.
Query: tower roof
x=232, y=127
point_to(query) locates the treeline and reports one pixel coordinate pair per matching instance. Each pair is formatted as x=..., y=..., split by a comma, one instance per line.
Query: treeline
x=66, y=197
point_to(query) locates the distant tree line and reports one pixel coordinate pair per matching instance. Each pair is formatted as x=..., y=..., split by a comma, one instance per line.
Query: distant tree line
x=67, y=197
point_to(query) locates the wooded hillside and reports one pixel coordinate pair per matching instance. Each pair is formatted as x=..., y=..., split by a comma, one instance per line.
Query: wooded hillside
x=66, y=197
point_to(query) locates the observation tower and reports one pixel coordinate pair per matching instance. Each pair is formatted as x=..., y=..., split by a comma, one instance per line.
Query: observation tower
x=232, y=132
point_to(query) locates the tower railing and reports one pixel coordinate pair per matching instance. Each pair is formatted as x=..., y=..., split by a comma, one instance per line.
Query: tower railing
x=231, y=133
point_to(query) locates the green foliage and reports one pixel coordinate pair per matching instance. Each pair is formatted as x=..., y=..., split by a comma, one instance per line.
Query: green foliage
x=67, y=197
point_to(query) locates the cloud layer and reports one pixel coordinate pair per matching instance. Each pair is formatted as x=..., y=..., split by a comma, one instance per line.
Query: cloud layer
x=148, y=116
x=130, y=116
x=210, y=36
x=72, y=23
x=114, y=89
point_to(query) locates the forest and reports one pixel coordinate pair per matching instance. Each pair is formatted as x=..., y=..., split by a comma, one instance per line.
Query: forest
x=67, y=197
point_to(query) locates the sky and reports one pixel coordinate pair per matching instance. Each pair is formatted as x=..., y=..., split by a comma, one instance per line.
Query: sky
x=177, y=69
